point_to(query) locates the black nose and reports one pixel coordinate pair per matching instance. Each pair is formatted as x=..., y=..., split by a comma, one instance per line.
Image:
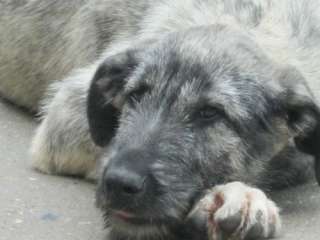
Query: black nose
x=124, y=183
x=127, y=180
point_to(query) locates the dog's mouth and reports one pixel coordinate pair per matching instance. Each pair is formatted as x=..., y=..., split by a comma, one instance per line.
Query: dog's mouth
x=130, y=225
x=128, y=218
x=133, y=218
x=134, y=222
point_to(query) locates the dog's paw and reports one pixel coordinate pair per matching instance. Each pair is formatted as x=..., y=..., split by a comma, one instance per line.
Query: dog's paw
x=60, y=151
x=237, y=211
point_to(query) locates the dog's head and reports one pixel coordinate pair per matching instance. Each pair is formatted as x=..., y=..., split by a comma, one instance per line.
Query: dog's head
x=189, y=111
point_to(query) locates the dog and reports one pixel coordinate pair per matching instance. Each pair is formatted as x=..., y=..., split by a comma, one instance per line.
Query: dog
x=185, y=111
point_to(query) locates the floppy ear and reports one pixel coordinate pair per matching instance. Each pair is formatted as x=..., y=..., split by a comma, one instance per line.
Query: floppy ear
x=106, y=96
x=303, y=114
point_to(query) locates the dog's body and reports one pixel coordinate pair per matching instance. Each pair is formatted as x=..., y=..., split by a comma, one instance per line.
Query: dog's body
x=44, y=42
x=259, y=58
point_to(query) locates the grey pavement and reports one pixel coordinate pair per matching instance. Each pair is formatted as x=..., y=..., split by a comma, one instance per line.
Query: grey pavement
x=34, y=206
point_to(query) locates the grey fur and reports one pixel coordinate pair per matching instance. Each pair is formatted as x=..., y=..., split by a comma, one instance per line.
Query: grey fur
x=255, y=61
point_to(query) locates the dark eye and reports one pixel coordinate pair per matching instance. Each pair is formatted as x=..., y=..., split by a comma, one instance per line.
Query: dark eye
x=136, y=95
x=208, y=113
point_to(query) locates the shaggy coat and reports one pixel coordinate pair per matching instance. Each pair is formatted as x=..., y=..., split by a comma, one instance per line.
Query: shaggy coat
x=163, y=100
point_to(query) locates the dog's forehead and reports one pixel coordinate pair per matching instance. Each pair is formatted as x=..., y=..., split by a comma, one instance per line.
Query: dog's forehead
x=172, y=75
x=228, y=73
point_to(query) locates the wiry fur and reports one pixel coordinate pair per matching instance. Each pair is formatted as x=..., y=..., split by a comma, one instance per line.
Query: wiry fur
x=257, y=61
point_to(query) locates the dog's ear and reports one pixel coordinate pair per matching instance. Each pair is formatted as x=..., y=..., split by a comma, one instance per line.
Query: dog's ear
x=105, y=96
x=303, y=113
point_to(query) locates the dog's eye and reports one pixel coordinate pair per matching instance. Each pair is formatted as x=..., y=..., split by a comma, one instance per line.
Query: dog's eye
x=208, y=113
x=136, y=95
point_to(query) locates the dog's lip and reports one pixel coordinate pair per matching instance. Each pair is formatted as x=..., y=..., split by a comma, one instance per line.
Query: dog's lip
x=131, y=218
x=124, y=215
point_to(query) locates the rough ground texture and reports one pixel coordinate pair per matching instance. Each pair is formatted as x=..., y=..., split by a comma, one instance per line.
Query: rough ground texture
x=37, y=207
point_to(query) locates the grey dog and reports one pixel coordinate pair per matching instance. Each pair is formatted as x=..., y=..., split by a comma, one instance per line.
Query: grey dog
x=174, y=105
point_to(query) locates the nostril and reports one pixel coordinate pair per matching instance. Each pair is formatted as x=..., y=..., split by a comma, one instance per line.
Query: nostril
x=124, y=183
x=131, y=189
x=108, y=185
x=133, y=185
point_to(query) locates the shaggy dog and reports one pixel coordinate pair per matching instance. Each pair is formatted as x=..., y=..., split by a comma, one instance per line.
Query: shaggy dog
x=174, y=105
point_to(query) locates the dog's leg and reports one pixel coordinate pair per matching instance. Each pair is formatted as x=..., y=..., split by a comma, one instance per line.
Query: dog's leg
x=237, y=211
x=289, y=168
x=62, y=143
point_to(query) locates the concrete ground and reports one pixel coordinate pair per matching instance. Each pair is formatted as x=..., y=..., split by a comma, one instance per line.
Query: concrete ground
x=34, y=206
